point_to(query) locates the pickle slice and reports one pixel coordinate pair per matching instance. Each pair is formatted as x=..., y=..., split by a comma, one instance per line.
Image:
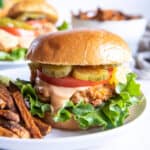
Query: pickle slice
x=56, y=71
x=91, y=73
x=7, y=22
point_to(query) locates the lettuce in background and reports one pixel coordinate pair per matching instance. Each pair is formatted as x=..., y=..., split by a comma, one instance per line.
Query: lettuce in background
x=1, y=4
x=16, y=54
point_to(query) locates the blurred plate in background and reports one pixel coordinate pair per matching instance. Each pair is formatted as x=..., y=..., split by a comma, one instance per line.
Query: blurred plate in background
x=12, y=64
x=130, y=30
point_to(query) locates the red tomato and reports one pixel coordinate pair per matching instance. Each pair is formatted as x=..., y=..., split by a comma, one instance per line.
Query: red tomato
x=68, y=81
x=18, y=31
x=110, y=70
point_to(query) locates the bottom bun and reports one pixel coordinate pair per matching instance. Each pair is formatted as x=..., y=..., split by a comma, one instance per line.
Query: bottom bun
x=67, y=125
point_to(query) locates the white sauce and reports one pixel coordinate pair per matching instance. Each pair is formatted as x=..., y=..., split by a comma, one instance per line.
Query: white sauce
x=59, y=95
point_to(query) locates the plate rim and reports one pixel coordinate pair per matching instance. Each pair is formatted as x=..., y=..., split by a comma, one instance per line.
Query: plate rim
x=85, y=136
x=11, y=63
x=71, y=138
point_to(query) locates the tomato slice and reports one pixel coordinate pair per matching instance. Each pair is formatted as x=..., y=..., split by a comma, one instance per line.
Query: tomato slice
x=68, y=81
x=110, y=70
x=18, y=31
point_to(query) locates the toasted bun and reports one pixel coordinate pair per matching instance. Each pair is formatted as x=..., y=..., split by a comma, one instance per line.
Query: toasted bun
x=39, y=6
x=79, y=47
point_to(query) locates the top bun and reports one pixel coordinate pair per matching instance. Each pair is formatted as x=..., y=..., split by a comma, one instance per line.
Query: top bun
x=79, y=47
x=40, y=6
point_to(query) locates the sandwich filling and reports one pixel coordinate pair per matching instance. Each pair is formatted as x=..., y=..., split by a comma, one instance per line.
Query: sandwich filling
x=92, y=84
x=91, y=95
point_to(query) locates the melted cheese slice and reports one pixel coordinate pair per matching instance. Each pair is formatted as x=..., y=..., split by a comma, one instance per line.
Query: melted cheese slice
x=119, y=74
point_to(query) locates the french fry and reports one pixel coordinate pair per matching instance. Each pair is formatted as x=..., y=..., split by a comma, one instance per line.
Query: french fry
x=5, y=96
x=44, y=128
x=26, y=116
x=7, y=133
x=2, y=104
x=9, y=115
x=15, y=127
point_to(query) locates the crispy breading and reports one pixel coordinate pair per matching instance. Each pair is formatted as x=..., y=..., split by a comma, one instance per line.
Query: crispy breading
x=26, y=116
x=10, y=115
x=94, y=95
x=5, y=96
x=7, y=133
x=15, y=127
x=44, y=127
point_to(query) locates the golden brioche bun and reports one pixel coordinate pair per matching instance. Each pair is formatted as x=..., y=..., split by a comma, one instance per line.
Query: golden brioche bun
x=79, y=47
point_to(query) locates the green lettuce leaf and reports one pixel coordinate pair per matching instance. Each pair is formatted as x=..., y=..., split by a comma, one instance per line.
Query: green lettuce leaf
x=1, y=4
x=117, y=108
x=132, y=87
x=63, y=115
x=63, y=26
x=16, y=54
x=108, y=115
x=36, y=106
x=85, y=114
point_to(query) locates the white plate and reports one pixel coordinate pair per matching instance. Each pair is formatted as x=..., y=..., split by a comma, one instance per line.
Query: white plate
x=12, y=64
x=65, y=140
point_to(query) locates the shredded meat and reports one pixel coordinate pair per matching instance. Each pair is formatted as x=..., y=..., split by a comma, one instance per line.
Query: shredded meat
x=94, y=95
